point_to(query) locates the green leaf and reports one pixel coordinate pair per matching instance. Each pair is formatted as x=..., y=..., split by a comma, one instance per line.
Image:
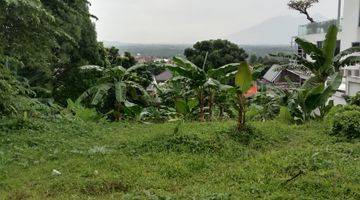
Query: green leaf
x=350, y=60
x=87, y=94
x=117, y=71
x=243, y=78
x=224, y=70
x=285, y=115
x=180, y=71
x=212, y=83
x=312, y=82
x=186, y=64
x=309, y=48
x=120, y=92
x=258, y=72
x=318, y=97
x=102, y=90
x=182, y=107
x=335, y=81
x=329, y=47
x=192, y=103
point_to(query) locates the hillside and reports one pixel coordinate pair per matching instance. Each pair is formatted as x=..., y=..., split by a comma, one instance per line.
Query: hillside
x=77, y=160
x=274, y=31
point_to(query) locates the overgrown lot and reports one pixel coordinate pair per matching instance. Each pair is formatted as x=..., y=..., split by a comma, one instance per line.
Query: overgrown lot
x=77, y=160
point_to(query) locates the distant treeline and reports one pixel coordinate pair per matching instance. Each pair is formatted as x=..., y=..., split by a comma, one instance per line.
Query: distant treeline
x=170, y=50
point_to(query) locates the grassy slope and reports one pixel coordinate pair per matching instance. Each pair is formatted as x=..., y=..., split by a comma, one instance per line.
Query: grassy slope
x=117, y=161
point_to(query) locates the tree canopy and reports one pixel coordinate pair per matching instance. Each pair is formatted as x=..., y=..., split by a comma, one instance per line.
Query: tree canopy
x=49, y=37
x=219, y=53
x=303, y=7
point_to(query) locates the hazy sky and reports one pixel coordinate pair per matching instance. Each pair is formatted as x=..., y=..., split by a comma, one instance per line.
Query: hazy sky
x=187, y=21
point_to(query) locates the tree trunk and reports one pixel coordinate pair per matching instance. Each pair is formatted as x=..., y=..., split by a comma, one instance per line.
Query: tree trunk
x=242, y=111
x=221, y=115
x=211, y=104
x=118, y=116
x=201, y=100
x=308, y=17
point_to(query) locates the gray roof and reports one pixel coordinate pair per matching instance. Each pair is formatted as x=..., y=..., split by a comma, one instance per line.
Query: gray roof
x=273, y=73
x=166, y=75
x=301, y=74
x=276, y=70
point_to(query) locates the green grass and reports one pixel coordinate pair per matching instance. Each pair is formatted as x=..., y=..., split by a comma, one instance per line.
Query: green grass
x=205, y=161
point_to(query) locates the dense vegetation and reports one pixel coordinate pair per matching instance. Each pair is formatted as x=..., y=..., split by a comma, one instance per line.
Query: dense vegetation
x=78, y=120
x=171, y=50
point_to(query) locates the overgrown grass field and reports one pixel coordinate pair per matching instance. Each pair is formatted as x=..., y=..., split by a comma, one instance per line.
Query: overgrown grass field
x=203, y=161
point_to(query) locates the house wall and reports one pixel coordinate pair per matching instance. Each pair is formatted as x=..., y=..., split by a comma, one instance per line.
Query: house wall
x=350, y=25
x=352, y=80
x=314, y=38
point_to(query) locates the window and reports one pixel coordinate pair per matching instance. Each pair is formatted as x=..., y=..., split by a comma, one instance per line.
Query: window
x=320, y=44
x=301, y=52
x=356, y=44
x=348, y=72
x=357, y=73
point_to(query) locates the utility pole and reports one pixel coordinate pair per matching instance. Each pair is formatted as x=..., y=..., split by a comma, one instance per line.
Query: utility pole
x=339, y=13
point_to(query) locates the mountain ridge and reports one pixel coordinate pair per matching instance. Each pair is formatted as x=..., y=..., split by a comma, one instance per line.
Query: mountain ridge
x=274, y=31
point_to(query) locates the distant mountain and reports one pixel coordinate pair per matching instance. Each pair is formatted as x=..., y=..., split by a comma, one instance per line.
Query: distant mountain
x=274, y=31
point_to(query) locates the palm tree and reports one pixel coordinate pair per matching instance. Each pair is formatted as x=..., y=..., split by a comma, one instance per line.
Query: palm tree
x=118, y=85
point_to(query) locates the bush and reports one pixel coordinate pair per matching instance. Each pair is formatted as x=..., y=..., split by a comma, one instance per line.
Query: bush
x=263, y=107
x=347, y=124
x=355, y=100
x=249, y=135
x=329, y=118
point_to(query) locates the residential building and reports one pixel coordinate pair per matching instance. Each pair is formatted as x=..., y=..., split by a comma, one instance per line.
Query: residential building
x=280, y=77
x=349, y=36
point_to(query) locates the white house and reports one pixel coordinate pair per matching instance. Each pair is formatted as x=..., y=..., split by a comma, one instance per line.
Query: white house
x=349, y=36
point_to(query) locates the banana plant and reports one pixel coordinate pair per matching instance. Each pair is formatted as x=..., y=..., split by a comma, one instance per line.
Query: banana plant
x=118, y=87
x=243, y=82
x=326, y=79
x=321, y=62
x=347, y=57
x=201, y=81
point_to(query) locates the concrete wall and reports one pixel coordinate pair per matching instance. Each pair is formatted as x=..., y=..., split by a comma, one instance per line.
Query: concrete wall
x=350, y=25
x=314, y=38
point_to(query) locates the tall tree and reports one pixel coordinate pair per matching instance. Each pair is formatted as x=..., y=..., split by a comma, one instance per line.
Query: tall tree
x=26, y=34
x=303, y=7
x=47, y=37
x=217, y=53
x=126, y=60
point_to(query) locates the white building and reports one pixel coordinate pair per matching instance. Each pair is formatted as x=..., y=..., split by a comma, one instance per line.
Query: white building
x=349, y=36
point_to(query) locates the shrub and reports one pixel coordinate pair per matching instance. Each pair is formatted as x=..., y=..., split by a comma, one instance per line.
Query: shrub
x=80, y=112
x=329, y=118
x=245, y=136
x=347, y=124
x=263, y=107
x=355, y=100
